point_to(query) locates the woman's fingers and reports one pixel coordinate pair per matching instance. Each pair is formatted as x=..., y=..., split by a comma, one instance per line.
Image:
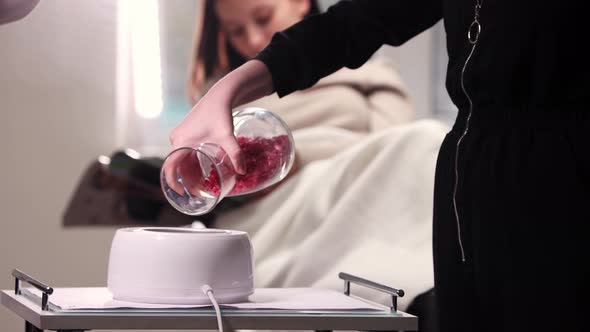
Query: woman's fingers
x=233, y=150
x=171, y=167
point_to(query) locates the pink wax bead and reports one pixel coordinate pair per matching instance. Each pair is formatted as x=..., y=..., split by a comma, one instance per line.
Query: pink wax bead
x=263, y=158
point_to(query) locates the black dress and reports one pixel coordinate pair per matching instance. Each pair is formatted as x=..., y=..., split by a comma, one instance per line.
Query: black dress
x=511, y=251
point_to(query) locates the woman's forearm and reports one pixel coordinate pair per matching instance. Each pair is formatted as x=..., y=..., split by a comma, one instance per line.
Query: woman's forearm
x=210, y=120
x=247, y=83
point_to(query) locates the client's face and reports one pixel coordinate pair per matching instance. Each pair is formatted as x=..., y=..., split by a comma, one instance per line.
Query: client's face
x=250, y=24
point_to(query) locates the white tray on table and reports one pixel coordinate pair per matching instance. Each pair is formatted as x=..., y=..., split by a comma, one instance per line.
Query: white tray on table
x=88, y=308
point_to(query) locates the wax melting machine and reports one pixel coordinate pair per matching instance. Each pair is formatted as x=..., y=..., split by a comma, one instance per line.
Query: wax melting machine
x=170, y=265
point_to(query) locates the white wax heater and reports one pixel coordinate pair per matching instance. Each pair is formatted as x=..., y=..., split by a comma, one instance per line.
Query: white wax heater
x=170, y=265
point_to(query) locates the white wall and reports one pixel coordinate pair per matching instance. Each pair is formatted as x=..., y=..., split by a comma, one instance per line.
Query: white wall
x=57, y=108
x=57, y=113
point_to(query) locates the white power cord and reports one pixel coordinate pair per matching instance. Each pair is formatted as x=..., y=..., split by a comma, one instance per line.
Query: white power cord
x=209, y=292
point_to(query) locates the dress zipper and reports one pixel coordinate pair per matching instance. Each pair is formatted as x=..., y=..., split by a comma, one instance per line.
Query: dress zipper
x=472, y=36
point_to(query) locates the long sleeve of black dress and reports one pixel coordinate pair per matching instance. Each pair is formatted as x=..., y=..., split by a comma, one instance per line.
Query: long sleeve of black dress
x=346, y=35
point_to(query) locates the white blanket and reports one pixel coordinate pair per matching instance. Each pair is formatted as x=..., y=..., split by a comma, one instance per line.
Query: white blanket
x=365, y=210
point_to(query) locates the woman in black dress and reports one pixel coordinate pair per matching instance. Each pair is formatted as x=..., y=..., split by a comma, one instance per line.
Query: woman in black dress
x=513, y=175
